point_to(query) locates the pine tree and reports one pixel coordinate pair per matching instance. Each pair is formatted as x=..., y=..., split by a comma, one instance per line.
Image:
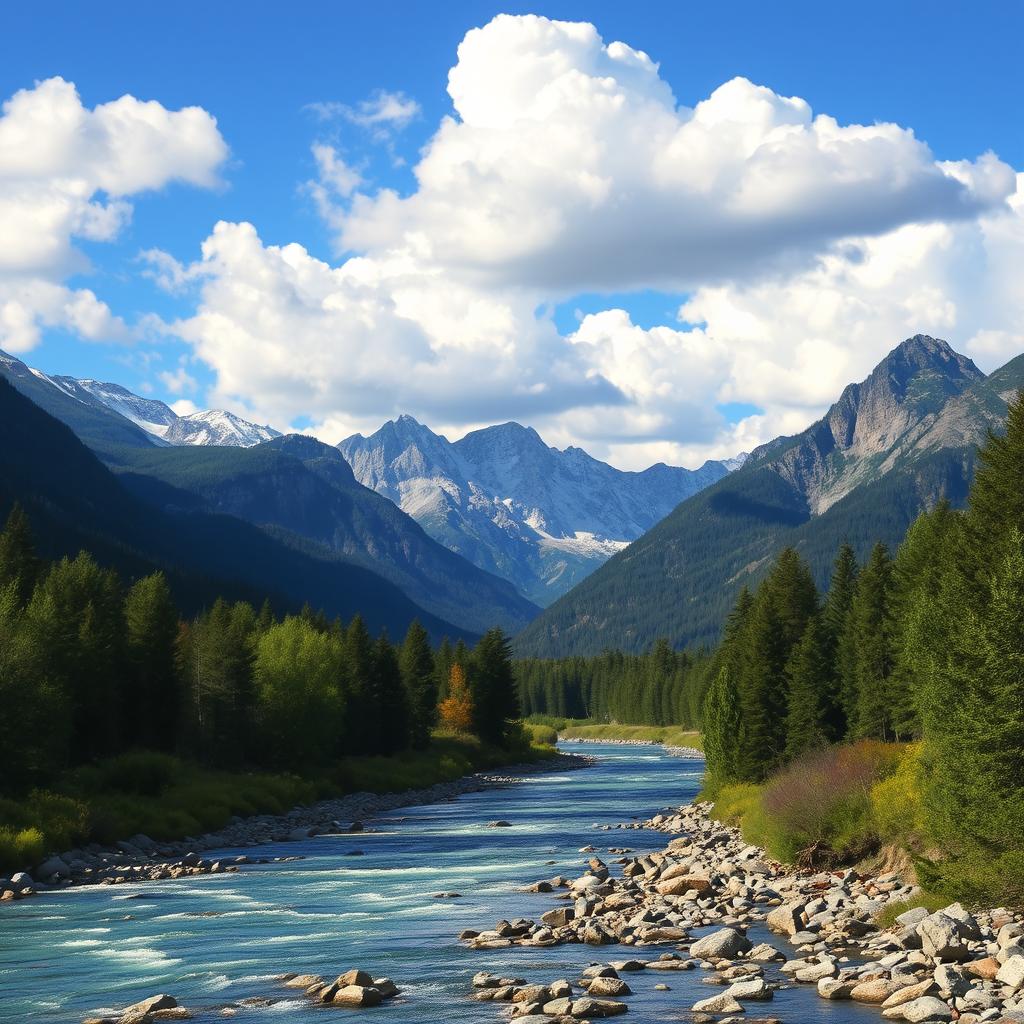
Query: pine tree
x=18, y=562
x=416, y=663
x=785, y=602
x=809, y=673
x=392, y=710
x=495, y=700
x=842, y=703
x=151, y=703
x=363, y=717
x=722, y=722
x=872, y=630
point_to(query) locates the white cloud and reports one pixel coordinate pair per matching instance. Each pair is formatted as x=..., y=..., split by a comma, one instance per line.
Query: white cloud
x=383, y=111
x=66, y=173
x=184, y=407
x=806, y=249
x=569, y=166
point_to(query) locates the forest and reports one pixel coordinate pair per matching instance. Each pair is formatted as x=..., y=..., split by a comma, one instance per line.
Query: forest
x=99, y=671
x=926, y=646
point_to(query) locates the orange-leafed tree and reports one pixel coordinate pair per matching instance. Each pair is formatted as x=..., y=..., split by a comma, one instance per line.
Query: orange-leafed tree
x=456, y=710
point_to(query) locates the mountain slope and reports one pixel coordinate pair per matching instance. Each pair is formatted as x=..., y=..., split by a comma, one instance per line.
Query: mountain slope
x=305, y=491
x=889, y=447
x=104, y=414
x=75, y=502
x=541, y=518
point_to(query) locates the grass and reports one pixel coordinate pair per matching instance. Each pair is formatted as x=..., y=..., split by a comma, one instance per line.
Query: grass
x=886, y=918
x=167, y=798
x=670, y=735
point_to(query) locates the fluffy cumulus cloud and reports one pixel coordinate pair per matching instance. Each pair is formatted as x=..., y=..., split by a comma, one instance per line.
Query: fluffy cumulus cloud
x=801, y=250
x=67, y=173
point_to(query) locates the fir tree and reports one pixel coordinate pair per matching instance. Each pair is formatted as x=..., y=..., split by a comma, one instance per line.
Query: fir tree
x=495, y=701
x=151, y=703
x=416, y=663
x=18, y=562
x=841, y=710
x=878, y=707
x=809, y=673
x=389, y=694
x=721, y=717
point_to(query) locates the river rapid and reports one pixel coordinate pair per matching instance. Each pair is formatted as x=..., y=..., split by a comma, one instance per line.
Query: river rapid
x=367, y=901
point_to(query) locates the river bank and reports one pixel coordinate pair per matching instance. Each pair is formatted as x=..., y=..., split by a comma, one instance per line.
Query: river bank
x=938, y=966
x=673, y=750
x=139, y=858
x=611, y=732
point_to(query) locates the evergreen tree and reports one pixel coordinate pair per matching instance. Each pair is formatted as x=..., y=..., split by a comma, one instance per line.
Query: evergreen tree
x=18, y=563
x=151, y=702
x=841, y=710
x=722, y=723
x=389, y=693
x=495, y=701
x=416, y=663
x=785, y=601
x=879, y=705
x=809, y=670
x=363, y=708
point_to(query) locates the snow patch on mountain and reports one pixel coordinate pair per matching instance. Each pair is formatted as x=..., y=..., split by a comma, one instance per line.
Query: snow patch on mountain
x=542, y=518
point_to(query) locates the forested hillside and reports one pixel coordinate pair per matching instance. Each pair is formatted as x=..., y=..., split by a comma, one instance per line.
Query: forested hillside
x=888, y=449
x=75, y=502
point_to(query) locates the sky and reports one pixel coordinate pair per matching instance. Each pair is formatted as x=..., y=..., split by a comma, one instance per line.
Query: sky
x=661, y=232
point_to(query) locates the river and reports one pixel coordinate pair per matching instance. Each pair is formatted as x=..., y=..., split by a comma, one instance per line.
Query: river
x=216, y=939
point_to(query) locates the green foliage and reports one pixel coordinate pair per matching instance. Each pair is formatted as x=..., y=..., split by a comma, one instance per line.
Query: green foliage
x=493, y=685
x=810, y=671
x=662, y=687
x=20, y=848
x=416, y=664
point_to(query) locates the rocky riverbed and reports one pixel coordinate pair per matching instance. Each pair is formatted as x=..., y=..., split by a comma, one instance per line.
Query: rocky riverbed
x=944, y=966
x=141, y=859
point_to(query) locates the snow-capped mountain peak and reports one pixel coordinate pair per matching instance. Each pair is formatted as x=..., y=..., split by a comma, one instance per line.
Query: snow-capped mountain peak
x=513, y=505
x=218, y=427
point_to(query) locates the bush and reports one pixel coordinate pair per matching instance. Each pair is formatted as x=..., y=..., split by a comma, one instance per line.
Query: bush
x=545, y=734
x=896, y=801
x=818, y=810
x=21, y=848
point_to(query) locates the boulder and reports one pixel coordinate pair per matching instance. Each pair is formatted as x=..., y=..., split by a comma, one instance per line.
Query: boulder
x=357, y=995
x=680, y=885
x=360, y=978
x=754, y=988
x=586, y=1007
x=877, y=990
x=835, y=988
x=910, y=993
x=725, y=943
x=941, y=938
x=925, y=1008
x=722, y=1003
x=1012, y=972
x=151, y=1005
x=786, y=920
x=608, y=987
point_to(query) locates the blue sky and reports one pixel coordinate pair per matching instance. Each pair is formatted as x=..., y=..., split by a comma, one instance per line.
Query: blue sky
x=951, y=72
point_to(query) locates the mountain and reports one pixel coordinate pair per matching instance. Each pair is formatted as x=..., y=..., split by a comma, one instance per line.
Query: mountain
x=296, y=486
x=891, y=446
x=304, y=492
x=541, y=518
x=96, y=407
x=76, y=502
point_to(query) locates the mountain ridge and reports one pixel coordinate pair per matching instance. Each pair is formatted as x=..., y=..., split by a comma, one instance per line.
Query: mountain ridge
x=537, y=516
x=888, y=447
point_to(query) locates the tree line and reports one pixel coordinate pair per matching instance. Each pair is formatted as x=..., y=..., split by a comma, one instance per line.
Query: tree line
x=661, y=687
x=92, y=666
x=927, y=644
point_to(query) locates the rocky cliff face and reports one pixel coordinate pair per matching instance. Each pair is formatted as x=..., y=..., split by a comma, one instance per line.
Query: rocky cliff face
x=875, y=424
x=541, y=518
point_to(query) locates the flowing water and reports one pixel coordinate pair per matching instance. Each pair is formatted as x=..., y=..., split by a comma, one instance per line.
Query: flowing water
x=366, y=901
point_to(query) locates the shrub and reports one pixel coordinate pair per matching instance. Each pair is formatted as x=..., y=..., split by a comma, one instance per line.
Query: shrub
x=21, y=848
x=896, y=801
x=545, y=734
x=818, y=810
